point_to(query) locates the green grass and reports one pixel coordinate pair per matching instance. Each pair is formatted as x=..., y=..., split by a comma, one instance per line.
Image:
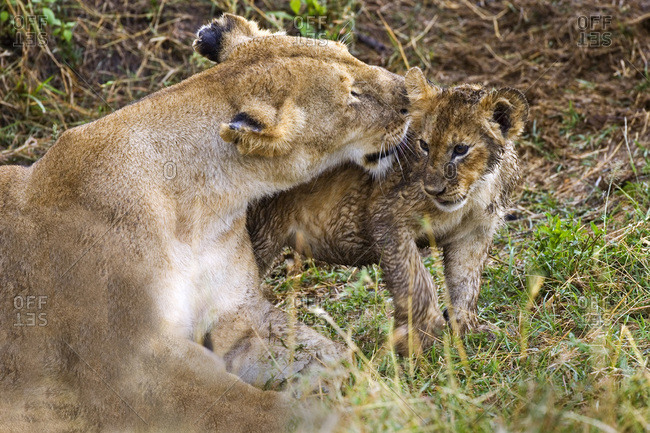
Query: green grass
x=571, y=300
x=567, y=285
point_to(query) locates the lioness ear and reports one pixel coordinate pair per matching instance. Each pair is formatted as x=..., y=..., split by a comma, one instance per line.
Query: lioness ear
x=215, y=41
x=262, y=130
x=417, y=86
x=509, y=110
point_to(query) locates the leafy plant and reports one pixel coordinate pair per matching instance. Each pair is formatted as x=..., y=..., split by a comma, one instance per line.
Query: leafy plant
x=32, y=15
x=61, y=29
x=564, y=246
x=315, y=19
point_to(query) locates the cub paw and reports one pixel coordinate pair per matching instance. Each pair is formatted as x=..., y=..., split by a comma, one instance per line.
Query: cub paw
x=468, y=324
x=423, y=339
x=489, y=330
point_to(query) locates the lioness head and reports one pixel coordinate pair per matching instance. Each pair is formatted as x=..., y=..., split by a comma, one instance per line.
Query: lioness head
x=465, y=131
x=313, y=92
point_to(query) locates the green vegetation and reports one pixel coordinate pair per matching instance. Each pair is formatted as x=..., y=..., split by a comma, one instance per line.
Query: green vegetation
x=571, y=304
x=568, y=282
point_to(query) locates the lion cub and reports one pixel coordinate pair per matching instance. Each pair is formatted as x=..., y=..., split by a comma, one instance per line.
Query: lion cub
x=454, y=188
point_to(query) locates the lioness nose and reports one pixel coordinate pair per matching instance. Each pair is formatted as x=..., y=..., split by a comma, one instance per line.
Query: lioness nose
x=435, y=191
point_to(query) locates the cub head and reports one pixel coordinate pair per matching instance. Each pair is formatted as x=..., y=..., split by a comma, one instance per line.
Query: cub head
x=305, y=100
x=466, y=132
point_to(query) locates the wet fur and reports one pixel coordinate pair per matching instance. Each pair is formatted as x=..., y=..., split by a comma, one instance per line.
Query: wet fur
x=347, y=217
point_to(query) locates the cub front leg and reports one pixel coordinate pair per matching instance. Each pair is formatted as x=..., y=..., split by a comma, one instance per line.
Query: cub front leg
x=464, y=259
x=413, y=290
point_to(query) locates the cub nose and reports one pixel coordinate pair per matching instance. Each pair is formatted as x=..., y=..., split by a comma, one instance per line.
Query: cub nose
x=435, y=191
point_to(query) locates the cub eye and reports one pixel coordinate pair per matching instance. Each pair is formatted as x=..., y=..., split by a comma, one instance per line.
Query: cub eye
x=355, y=94
x=424, y=145
x=460, y=149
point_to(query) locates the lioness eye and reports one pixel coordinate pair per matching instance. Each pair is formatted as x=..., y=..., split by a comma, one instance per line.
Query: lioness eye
x=424, y=145
x=460, y=149
x=355, y=94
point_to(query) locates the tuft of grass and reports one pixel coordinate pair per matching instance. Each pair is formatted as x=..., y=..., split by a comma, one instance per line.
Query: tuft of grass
x=570, y=119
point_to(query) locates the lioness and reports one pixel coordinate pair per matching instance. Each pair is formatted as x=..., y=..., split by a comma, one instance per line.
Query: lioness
x=454, y=187
x=130, y=233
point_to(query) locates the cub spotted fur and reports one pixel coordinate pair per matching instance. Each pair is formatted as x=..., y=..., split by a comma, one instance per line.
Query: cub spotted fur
x=132, y=265
x=455, y=186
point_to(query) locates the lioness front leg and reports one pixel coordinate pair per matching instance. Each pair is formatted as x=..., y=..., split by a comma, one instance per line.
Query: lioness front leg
x=464, y=260
x=198, y=387
x=260, y=343
x=413, y=290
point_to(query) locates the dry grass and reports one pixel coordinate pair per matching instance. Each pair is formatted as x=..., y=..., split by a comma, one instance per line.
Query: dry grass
x=573, y=352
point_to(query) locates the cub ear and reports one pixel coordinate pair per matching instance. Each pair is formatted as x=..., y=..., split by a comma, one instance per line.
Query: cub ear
x=509, y=109
x=215, y=41
x=418, y=88
x=262, y=130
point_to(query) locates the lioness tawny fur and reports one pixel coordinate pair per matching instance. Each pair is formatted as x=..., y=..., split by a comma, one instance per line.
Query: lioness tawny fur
x=132, y=228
